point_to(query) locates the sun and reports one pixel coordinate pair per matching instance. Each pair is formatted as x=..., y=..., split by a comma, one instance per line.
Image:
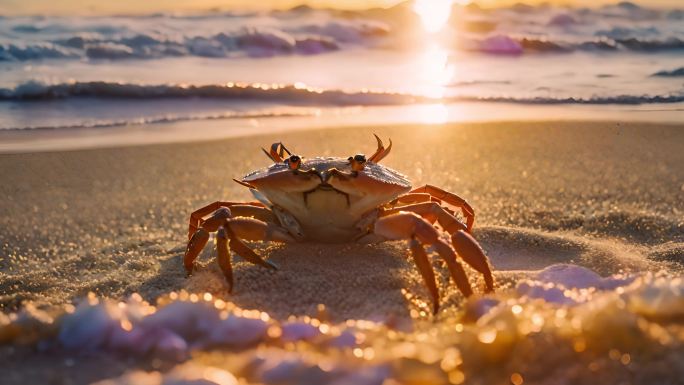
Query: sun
x=433, y=14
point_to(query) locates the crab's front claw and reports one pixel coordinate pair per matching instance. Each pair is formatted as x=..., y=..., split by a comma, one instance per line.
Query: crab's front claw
x=195, y=246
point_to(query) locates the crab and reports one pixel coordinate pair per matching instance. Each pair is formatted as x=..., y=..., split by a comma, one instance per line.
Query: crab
x=337, y=200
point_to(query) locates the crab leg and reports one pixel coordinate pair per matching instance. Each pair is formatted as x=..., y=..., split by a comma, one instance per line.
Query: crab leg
x=255, y=230
x=224, y=237
x=200, y=237
x=197, y=215
x=451, y=199
x=465, y=245
x=248, y=254
x=423, y=264
x=260, y=213
x=413, y=198
x=432, y=212
x=467, y=248
x=195, y=246
x=229, y=230
x=408, y=225
x=223, y=256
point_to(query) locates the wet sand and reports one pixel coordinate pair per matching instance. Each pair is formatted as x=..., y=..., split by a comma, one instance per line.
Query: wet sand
x=606, y=196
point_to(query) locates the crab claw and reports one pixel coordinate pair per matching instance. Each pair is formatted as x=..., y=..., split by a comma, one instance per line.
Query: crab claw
x=277, y=152
x=381, y=152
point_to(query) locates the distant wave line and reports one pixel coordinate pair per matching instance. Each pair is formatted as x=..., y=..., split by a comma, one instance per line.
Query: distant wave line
x=294, y=94
x=160, y=120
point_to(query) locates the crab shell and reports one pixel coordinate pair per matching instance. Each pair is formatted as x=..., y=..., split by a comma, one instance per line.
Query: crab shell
x=326, y=196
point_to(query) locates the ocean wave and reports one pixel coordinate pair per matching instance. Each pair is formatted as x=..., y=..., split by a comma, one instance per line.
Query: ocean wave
x=509, y=45
x=36, y=51
x=162, y=119
x=260, y=41
x=270, y=42
x=289, y=94
x=305, y=30
x=670, y=74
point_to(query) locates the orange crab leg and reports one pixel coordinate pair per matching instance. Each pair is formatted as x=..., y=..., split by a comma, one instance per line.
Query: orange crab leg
x=255, y=230
x=200, y=237
x=195, y=246
x=467, y=247
x=197, y=215
x=432, y=212
x=413, y=198
x=223, y=256
x=260, y=213
x=423, y=264
x=248, y=254
x=408, y=225
x=451, y=199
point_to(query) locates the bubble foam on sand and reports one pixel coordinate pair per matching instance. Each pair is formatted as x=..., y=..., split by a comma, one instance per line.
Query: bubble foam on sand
x=564, y=317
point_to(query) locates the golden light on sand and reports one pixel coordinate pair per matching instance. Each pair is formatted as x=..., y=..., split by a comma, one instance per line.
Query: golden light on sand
x=433, y=14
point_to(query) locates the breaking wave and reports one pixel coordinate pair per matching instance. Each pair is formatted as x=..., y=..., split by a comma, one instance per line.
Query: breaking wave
x=268, y=43
x=307, y=31
x=287, y=94
x=163, y=119
x=247, y=41
x=504, y=44
x=679, y=72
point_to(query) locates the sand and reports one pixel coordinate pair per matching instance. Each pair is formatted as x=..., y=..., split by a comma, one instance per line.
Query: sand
x=606, y=196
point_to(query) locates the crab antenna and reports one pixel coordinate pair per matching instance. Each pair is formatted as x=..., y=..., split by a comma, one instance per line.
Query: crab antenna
x=243, y=183
x=381, y=152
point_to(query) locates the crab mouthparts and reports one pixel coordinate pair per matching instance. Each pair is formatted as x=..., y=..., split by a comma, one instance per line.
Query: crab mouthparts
x=328, y=187
x=324, y=186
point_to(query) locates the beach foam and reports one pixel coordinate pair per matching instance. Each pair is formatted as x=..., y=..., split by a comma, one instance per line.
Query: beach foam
x=576, y=311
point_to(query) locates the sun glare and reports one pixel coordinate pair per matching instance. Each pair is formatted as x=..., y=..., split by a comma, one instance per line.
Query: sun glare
x=433, y=14
x=435, y=70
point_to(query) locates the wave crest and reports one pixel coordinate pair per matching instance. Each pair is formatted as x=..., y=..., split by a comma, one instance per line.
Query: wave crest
x=287, y=94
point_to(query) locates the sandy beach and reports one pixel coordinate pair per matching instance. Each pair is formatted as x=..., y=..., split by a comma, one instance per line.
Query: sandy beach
x=609, y=197
x=560, y=122
x=112, y=221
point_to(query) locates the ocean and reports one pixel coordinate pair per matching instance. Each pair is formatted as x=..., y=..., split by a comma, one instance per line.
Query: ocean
x=341, y=66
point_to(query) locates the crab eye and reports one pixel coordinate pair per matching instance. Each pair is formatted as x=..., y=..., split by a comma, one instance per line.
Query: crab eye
x=357, y=162
x=293, y=162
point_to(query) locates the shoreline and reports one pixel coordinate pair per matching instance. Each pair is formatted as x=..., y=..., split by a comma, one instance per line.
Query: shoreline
x=186, y=131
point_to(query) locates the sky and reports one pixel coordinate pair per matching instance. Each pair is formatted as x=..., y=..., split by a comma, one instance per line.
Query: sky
x=80, y=7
